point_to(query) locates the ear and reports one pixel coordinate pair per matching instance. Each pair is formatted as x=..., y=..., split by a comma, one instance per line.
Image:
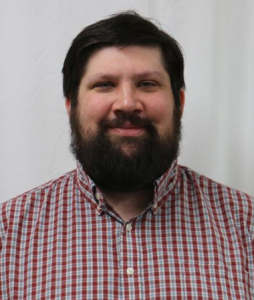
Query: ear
x=182, y=100
x=68, y=106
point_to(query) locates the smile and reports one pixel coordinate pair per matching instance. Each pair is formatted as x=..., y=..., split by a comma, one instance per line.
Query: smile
x=127, y=130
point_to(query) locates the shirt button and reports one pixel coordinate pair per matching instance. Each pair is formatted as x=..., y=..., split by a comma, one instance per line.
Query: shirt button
x=128, y=227
x=155, y=206
x=97, y=195
x=99, y=210
x=130, y=271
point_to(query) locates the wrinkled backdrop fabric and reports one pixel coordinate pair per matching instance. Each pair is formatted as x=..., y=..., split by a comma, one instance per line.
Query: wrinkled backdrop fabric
x=218, y=42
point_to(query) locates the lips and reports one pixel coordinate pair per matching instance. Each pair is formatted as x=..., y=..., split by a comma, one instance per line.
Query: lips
x=127, y=129
x=128, y=125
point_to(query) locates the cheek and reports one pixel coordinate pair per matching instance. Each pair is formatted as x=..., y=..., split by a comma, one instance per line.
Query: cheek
x=161, y=110
x=93, y=111
x=161, y=114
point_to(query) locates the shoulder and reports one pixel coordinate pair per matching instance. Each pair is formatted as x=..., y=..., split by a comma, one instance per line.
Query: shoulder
x=33, y=200
x=222, y=201
x=211, y=188
x=44, y=189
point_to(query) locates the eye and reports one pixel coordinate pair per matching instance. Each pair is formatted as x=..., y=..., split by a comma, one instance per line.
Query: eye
x=148, y=84
x=103, y=85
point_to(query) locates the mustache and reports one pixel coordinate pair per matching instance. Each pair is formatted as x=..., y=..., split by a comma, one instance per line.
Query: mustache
x=132, y=119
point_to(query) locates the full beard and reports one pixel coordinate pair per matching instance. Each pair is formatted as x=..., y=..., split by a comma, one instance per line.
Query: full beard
x=125, y=164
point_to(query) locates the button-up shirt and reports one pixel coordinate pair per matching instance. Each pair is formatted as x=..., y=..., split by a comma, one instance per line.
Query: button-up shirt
x=62, y=241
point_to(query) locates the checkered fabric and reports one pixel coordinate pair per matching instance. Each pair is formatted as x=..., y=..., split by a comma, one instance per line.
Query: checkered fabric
x=195, y=241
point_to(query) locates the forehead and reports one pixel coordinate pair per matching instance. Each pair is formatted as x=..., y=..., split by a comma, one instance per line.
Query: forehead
x=130, y=58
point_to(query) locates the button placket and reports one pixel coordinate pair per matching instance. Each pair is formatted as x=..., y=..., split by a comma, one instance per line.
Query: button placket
x=130, y=261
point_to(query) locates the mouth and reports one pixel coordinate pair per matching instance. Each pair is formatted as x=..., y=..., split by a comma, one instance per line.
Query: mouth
x=127, y=129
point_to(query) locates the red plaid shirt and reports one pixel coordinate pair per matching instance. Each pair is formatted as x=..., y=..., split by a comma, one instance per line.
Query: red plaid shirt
x=61, y=241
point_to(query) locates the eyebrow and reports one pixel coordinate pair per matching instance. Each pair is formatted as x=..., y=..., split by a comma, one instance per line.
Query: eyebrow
x=102, y=76
x=108, y=76
x=150, y=73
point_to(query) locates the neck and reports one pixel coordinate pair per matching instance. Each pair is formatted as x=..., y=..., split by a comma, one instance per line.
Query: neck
x=129, y=205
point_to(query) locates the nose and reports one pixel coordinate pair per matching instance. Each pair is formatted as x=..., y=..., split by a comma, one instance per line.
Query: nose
x=127, y=100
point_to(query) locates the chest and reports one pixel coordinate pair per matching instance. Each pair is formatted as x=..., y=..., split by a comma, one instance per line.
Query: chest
x=73, y=255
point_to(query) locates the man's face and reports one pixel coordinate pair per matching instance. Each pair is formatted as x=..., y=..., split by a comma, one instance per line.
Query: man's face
x=126, y=110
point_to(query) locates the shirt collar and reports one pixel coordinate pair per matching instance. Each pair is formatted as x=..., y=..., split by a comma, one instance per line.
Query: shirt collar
x=164, y=185
x=87, y=186
x=162, y=188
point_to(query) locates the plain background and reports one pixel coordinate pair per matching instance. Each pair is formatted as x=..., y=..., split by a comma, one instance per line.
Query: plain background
x=218, y=42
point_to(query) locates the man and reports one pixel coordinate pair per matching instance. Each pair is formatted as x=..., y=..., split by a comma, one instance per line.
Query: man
x=129, y=222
